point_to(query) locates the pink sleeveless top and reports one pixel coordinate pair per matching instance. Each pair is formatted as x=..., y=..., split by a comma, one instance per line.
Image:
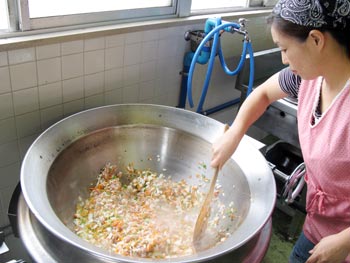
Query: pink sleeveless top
x=326, y=152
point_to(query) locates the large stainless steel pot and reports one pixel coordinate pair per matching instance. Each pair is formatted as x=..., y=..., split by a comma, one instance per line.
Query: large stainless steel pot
x=66, y=158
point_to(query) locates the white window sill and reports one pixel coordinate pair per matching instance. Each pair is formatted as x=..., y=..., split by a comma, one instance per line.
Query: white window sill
x=42, y=37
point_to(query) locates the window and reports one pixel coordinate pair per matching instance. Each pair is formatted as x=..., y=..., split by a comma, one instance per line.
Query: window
x=3, y=15
x=202, y=5
x=25, y=15
x=39, y=14
x=44, y=8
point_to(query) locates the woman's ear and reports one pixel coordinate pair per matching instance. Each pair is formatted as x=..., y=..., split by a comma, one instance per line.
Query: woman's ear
x=317, y=38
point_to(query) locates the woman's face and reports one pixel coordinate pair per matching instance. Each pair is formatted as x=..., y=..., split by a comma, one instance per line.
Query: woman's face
x=298, y=55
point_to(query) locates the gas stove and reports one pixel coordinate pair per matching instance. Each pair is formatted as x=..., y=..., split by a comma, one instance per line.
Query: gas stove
x=288, y=105
x=280, y=120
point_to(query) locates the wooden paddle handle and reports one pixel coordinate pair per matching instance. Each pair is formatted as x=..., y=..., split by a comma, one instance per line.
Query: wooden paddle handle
x=226, y=127
x=203, y=216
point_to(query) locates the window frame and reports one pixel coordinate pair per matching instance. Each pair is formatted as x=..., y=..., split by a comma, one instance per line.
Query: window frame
x=19, y=20
x=26, y=23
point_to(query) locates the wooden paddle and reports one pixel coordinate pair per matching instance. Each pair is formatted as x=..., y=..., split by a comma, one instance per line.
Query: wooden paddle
x=204, y=214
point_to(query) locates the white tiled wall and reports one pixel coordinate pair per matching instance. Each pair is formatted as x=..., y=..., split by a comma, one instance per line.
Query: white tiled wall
x=40, y=85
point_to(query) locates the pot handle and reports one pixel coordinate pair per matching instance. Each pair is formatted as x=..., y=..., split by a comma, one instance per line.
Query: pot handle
x=294, y=184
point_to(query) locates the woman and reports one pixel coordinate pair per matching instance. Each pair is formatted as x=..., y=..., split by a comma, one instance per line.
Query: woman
x=314, y=38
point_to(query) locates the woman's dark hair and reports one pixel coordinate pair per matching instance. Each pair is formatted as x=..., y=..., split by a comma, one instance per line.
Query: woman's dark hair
x=301, y=32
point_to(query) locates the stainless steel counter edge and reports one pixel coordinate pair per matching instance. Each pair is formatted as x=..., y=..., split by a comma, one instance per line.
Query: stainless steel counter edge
x=286, y=107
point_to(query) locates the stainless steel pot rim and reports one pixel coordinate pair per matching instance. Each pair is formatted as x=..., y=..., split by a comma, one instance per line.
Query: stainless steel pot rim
x=50, y=221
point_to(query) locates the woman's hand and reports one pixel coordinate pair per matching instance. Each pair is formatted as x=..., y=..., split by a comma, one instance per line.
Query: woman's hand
x=331, y=249
x=224, y=147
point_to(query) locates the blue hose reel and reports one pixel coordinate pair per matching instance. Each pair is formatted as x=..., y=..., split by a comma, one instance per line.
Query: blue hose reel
x=204, y=54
